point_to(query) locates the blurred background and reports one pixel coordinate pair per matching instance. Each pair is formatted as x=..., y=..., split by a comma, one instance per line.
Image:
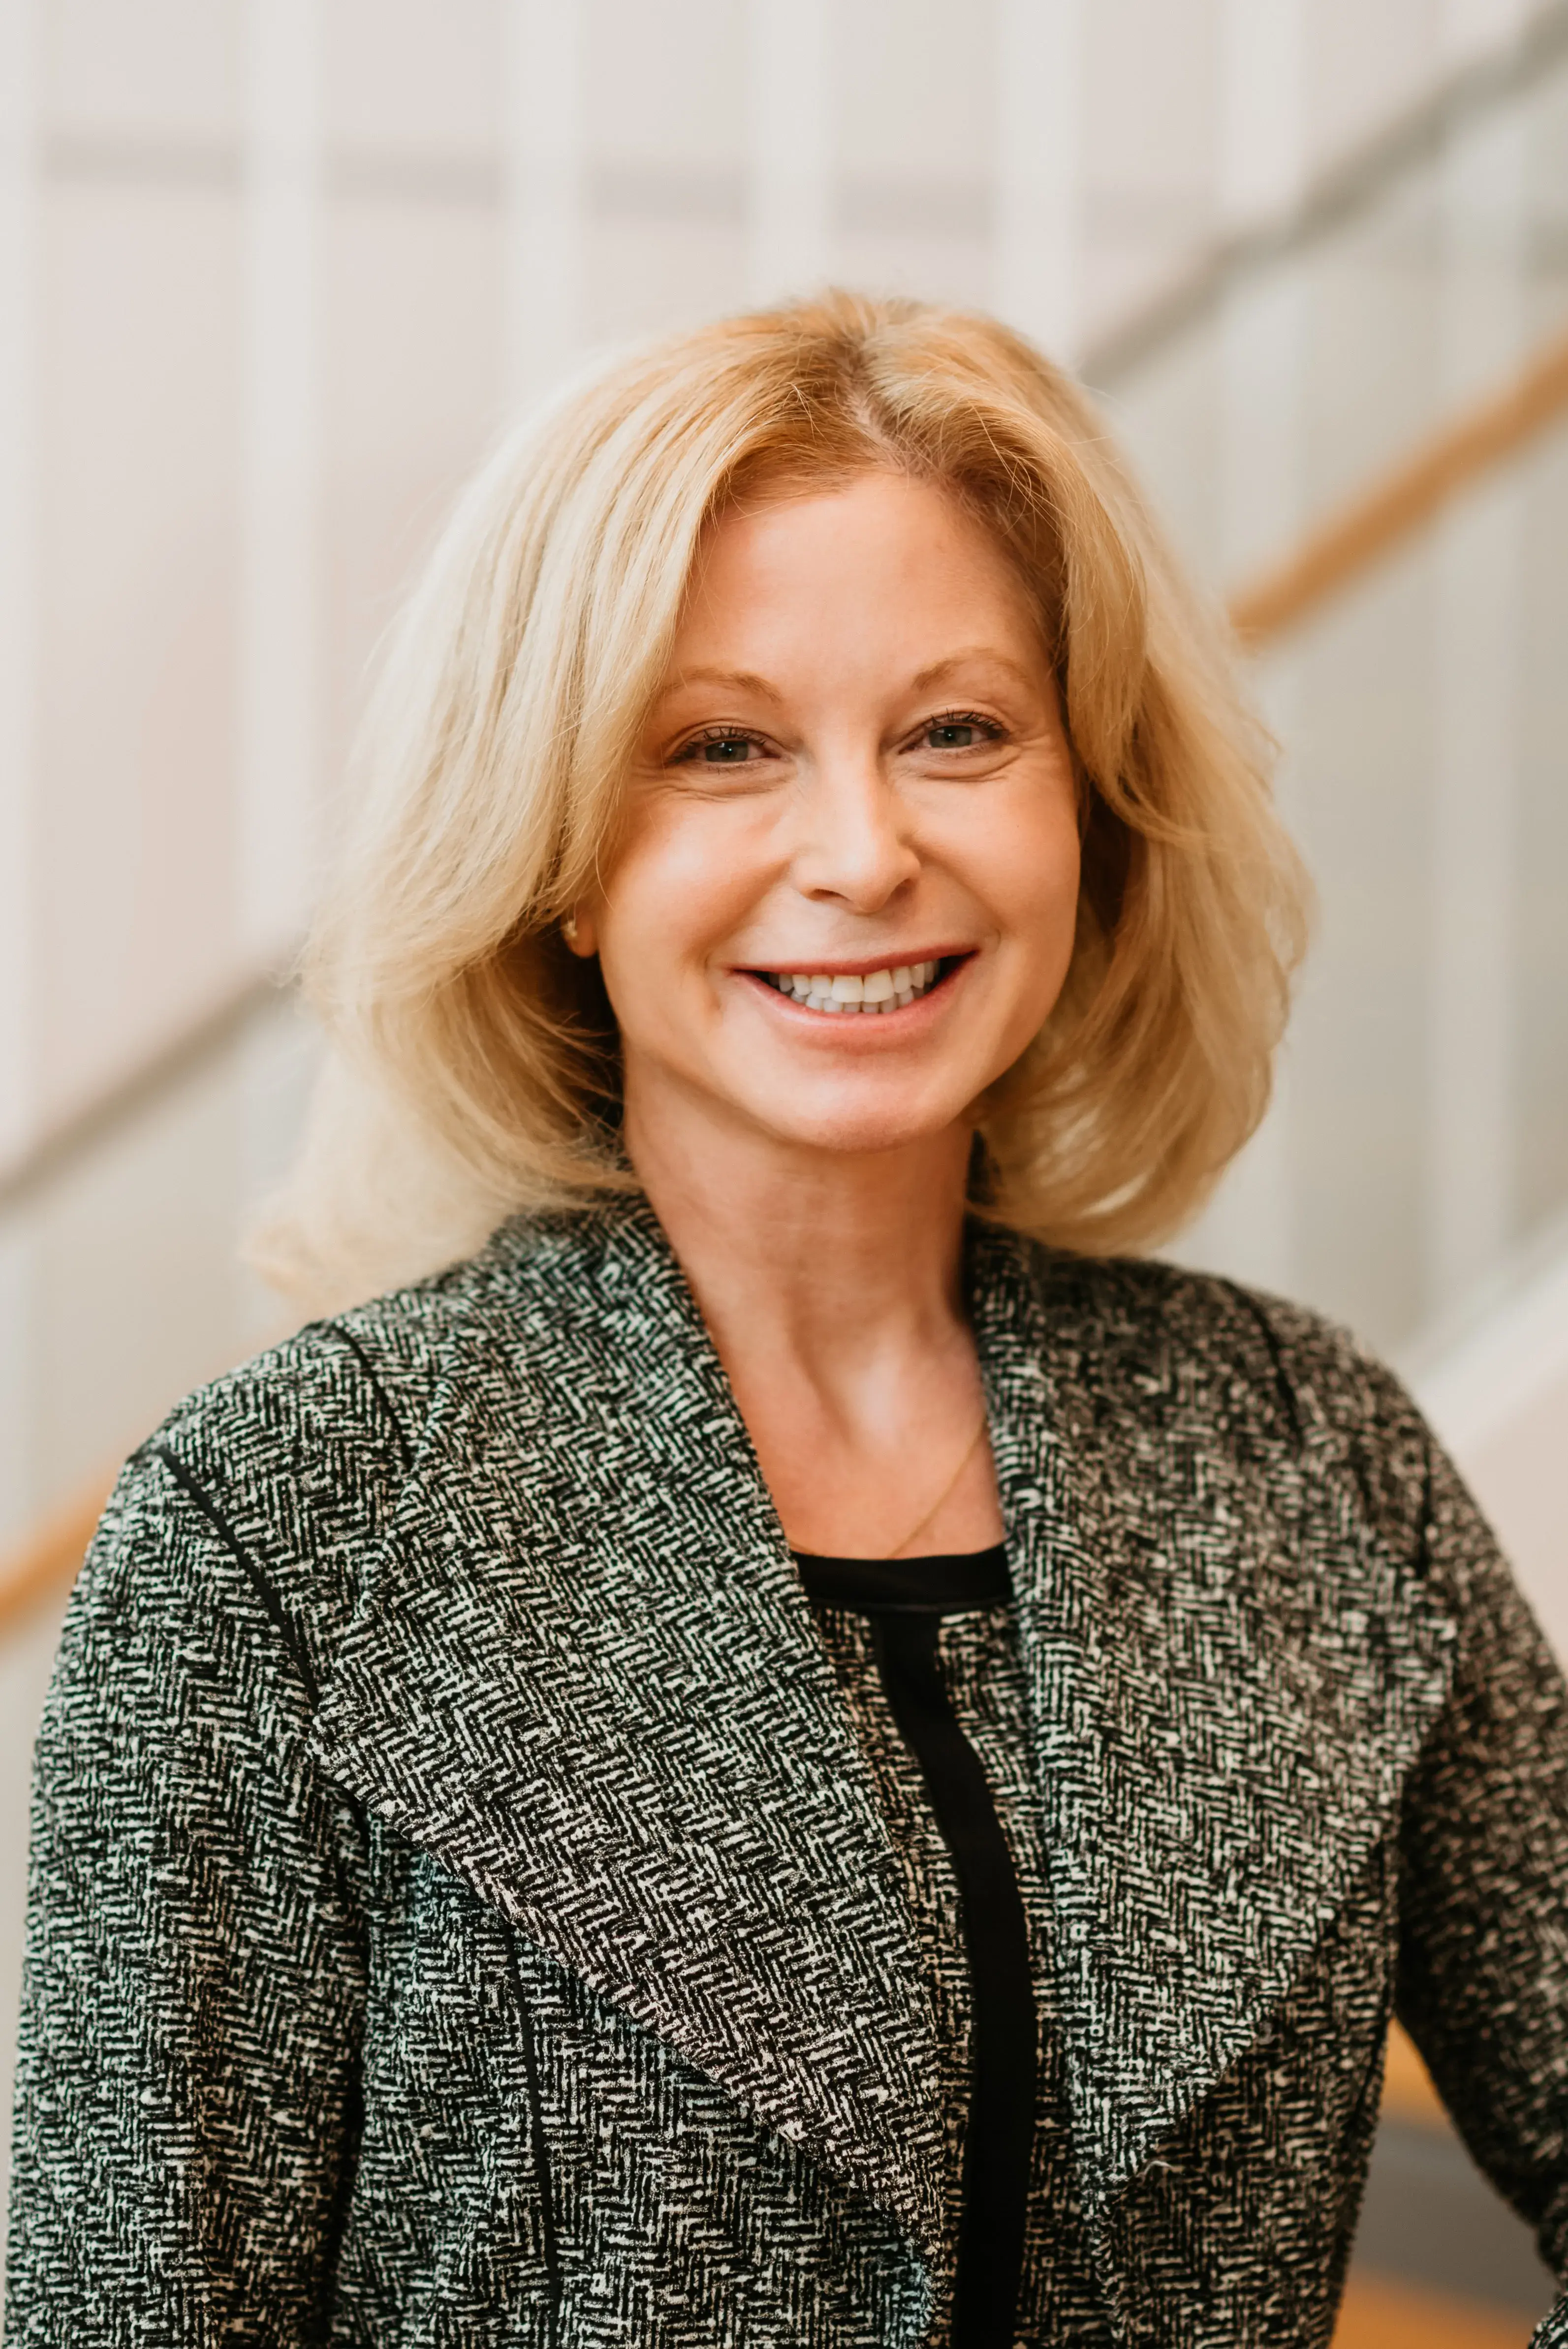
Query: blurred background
x=273, y=273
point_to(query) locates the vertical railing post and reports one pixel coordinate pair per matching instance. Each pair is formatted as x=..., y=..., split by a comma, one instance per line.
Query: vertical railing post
x=20, y=581
x=789, y=237
x=1252, y=1230
x=19, y=763
x=1260, y=152
x=1470, y=1146
x=1262, y=503
x=280, y=601
x=1036, y=260
x=544, y=246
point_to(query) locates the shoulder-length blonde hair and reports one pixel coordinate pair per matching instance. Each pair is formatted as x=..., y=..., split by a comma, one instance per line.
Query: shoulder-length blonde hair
x=472, y=1066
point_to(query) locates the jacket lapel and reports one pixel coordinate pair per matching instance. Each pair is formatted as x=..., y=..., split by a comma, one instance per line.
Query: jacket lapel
x=582, y=1673
x=1228, y=1680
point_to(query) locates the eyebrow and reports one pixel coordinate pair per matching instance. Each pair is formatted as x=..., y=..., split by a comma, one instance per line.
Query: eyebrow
x=745, y=681
x=942, y=669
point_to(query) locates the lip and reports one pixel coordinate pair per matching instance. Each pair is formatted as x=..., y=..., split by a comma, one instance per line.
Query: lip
x=830, y=967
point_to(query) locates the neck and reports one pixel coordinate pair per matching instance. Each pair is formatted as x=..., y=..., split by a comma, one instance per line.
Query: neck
x=831, y=1263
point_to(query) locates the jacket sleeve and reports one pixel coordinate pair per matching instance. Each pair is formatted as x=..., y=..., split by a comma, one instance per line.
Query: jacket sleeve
x=193, y=1994
x=1483, y=1975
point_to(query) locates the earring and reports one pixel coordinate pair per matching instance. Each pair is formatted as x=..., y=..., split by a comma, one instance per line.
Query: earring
x=569, y=929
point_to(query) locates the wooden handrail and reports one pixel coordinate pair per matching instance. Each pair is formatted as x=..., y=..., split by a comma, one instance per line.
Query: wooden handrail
x=48, y=1561
x=1407, y=2090
x=1370, y=526
x=1381, y=2312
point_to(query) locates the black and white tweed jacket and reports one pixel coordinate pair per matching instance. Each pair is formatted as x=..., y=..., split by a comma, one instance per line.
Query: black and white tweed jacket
x=460, y=1913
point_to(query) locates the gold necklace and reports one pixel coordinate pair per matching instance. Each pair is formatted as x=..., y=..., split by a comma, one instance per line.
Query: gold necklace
x=970, y=1448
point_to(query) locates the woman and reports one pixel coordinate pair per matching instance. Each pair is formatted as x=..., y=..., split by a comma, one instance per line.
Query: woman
x=802, y=1749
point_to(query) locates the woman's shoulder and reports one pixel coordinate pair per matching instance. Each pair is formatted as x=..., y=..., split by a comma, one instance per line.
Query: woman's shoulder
x=283, y=1472
x=1200, y=1402
x=243, y=1534
x=340, y=1402
x=300, y=1452
x=1143, y=1309
x=1238, y=1366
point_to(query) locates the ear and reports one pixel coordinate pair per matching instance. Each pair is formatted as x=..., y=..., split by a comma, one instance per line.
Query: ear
x=581, y=933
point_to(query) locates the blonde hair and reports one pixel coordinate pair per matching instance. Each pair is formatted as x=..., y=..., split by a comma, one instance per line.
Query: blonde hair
x=472, y=1064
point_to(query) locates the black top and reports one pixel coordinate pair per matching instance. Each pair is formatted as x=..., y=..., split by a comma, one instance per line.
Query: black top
x=905, y=1600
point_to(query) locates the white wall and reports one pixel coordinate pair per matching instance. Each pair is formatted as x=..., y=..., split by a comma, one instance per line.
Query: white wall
x=1496, y=1390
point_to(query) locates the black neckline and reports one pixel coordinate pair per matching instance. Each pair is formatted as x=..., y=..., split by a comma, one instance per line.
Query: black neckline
x=951, y=1583
x=905, y=1600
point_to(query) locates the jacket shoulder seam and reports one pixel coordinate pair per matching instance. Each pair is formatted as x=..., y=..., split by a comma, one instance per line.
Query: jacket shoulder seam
x=1290, y=1401
x=272, y=1604
x=377, y=1387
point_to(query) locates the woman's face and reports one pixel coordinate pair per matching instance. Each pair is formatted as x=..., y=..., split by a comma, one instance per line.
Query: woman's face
x=845, y=899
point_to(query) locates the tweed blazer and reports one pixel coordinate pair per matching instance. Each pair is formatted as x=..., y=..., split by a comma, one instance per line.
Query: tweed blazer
x=460, y=1913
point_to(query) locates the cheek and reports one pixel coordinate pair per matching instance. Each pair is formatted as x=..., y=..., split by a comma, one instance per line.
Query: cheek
x=1034, y=864
x=678, y=888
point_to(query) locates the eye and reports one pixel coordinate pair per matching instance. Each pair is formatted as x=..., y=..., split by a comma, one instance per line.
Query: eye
x=722, y=748
x=961, y=730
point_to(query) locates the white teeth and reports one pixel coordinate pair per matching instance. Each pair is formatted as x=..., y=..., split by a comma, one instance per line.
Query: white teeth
x=879, y=990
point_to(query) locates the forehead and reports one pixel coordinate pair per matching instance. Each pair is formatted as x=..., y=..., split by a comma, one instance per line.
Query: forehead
x=880, y=553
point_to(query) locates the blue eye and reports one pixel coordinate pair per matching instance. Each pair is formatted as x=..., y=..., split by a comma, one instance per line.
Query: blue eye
x=952, y=734
x=719, y=749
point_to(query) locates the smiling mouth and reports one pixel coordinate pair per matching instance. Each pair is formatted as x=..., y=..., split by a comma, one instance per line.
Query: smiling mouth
x=874, y=992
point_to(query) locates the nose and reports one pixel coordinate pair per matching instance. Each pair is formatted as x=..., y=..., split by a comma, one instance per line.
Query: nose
x=853, y=841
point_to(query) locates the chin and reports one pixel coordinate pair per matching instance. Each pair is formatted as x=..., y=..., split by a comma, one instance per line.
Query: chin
x=866, y=1129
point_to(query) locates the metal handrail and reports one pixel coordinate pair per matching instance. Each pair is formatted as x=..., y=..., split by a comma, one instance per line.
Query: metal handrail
x=171, y=1064
x=1345, y=191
